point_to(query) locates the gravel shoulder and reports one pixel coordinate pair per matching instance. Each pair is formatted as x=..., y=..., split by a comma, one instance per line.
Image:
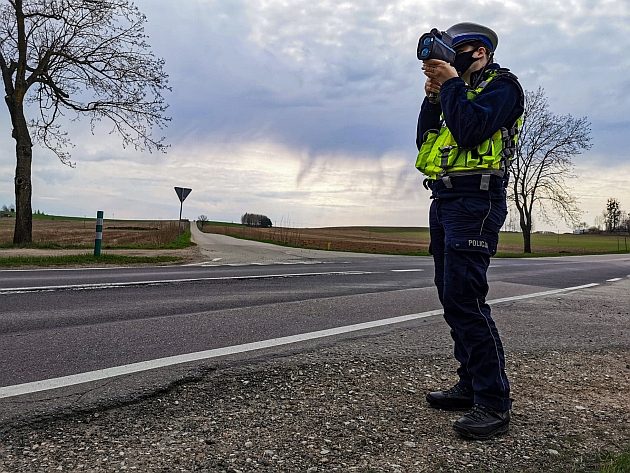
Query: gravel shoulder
x=356, y=404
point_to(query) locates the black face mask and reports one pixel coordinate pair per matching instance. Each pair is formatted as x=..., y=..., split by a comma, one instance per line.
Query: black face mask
x=463, y=61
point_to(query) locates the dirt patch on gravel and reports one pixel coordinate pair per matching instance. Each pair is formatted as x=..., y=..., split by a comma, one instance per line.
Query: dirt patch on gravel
x=361, y=412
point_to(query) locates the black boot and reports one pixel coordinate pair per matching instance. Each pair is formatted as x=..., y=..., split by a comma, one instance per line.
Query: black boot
x=482, y=423
x=456, y=398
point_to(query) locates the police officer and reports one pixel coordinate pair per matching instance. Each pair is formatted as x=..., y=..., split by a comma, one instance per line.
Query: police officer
x=467, y=130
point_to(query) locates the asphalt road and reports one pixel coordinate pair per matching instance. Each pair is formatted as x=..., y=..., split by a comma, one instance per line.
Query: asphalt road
x=55, y=323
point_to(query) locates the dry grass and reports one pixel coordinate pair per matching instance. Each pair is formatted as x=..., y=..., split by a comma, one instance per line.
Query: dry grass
x=76, y=232
x=391, y=240
x=415, y=240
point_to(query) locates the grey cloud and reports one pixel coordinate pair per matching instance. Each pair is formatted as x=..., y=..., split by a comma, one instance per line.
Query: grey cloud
x=333, y=79
x=342, y=77
x=240, y=78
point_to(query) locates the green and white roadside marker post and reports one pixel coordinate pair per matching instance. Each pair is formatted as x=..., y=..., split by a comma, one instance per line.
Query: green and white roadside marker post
x=182, y=193
x=99, y=233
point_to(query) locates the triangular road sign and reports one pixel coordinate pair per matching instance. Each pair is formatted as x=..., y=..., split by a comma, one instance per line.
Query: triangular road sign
x=182, y=193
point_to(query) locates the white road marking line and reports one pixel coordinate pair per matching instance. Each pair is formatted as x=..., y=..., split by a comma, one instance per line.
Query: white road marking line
x=90, y=376
x=16, y=290
x=407, y=270
x=204, y=263
x=614, y=279
x=209, y=264
x=542, y=294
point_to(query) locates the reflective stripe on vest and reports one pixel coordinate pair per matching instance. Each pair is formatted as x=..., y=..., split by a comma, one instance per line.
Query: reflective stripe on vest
x=440, y=155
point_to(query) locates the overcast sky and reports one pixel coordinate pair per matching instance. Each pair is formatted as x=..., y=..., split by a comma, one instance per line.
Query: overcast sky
x=306, y=111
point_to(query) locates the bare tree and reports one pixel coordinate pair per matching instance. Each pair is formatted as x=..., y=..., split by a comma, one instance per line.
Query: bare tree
x=202, y=219
x=64, y=59
x=600, y=222
x=613, y=215
x=542, y=163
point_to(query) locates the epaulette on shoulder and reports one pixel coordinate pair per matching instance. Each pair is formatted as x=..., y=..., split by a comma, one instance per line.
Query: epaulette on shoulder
x=505, y=72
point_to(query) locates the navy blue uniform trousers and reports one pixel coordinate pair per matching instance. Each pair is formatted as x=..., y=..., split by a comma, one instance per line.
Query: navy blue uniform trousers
x=464, y=235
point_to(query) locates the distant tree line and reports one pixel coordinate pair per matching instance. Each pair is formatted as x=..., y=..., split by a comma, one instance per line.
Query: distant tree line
x=9, y=210
x=612, y=220
x=256, y=220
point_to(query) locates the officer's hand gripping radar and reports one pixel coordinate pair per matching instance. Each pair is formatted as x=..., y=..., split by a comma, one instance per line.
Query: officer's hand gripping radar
x=436, y=45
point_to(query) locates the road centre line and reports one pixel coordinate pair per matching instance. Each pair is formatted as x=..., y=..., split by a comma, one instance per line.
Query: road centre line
x=406, y=270
x=13, y=290
x=614, y=279
x=106, y=373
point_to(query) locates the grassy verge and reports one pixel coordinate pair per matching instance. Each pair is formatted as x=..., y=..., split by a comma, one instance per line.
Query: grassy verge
x=618, y=464
x=87, y=259
x=46, y=245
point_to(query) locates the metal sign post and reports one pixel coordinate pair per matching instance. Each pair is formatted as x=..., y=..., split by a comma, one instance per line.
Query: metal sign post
x=182, y=193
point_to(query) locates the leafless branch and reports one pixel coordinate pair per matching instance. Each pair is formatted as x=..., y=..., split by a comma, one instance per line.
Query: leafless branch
x=87, y=57
x=543, y=162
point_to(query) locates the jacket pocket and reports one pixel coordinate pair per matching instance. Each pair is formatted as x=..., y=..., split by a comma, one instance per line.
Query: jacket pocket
x=469, y=259
x=423, y=161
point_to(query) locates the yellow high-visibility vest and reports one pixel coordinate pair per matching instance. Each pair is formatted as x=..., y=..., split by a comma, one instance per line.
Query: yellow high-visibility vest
x=440, y=155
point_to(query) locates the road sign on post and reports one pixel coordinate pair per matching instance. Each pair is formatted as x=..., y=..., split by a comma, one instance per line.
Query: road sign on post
x=182, y=193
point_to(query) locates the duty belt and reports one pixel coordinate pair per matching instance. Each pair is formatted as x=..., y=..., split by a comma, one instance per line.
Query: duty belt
x=484, y=181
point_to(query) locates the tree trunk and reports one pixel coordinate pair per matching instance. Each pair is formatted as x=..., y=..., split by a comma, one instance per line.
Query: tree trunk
x=527, y=241
x=526, y=228
x=23, y=233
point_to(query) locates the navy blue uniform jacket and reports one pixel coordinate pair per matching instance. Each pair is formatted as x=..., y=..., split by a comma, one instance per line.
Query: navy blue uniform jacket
x=472, y=122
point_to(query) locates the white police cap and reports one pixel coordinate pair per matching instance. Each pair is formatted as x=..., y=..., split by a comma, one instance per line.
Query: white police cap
x=463, y=33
